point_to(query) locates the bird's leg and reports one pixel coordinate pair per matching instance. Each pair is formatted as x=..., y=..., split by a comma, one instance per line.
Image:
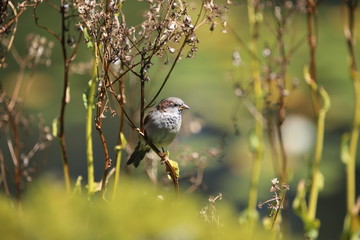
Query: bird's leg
x=164, y=156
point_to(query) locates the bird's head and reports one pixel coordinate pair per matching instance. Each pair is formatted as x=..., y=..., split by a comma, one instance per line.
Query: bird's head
x=172, y=104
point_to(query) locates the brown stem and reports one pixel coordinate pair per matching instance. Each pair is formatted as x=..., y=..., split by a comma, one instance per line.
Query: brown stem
x=282, y=95
x=36, y=18
x=11, y=21
x=273, y=146
x=107, y=164
x=98, y=123
x=15, y=151
x=3, y=174
x=121, y=104
x=142, y=101
x=65, y=99
x=120, y=138
x=312, y=41
x=129, y=69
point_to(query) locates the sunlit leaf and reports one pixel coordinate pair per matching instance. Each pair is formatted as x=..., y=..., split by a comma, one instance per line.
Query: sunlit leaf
x=88, y=40
x=67, y=96
x=344, y=148
x=85, y=97
x=78, y=187
x=321, y=181
x=175, y=166
x=123, y=143
x=55, y=124
x=253, y=141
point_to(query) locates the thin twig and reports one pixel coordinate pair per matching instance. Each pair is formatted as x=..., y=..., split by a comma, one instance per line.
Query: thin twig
x=36, y=18
x=98, y=123
x=11, y=41
x=4, y=28
x=168, y=74
x=312, y=41
x=3, y=174
x=120, y=143
x=65, y=98
x=15, y=151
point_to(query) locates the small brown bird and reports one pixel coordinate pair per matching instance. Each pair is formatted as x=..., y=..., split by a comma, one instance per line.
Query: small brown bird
x=161, y=126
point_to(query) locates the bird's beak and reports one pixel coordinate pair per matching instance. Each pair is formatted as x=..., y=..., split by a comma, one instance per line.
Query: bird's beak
x=184, y=106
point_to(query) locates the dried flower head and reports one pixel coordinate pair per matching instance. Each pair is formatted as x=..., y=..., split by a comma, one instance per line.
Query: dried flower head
x=209, y=211
x=276, y=202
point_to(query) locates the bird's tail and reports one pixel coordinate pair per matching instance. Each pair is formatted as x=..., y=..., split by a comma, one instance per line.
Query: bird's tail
x=138, y=154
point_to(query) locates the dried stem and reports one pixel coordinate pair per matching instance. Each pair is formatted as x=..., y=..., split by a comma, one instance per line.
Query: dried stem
x=51, y=32
x=12, y=37
x=4, y=28
x=312, y=26
x=98, y=123
x=64, y=100
x=67, y=60
x=14, y=150
x=281, y=84
x=121, y=140
x=3, y=174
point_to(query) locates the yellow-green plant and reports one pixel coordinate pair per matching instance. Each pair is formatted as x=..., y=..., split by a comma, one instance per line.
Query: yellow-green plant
x=350, y=145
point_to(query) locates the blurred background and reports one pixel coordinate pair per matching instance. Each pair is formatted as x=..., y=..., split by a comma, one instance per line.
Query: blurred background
x=216, y=129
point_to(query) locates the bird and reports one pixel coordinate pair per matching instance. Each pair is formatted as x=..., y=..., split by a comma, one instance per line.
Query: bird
x=161, y=126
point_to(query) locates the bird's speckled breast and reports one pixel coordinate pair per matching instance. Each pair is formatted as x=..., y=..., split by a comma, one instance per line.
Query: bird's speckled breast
x=161, y=129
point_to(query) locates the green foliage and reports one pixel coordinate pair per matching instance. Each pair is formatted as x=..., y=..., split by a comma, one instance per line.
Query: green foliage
x=138, y=211
x=88, y=40
x=344, y=148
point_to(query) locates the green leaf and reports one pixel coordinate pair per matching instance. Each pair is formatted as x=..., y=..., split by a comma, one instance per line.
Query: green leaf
x=85, y=98
x=321, y=182
x=88, y=40
x=344, y=148
x=299, y=203
x=123, y=143
x=77, y=188
x=55, y=124
x=253, y=141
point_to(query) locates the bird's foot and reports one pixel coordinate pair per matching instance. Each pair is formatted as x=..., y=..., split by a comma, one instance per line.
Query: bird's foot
x=164, y=156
